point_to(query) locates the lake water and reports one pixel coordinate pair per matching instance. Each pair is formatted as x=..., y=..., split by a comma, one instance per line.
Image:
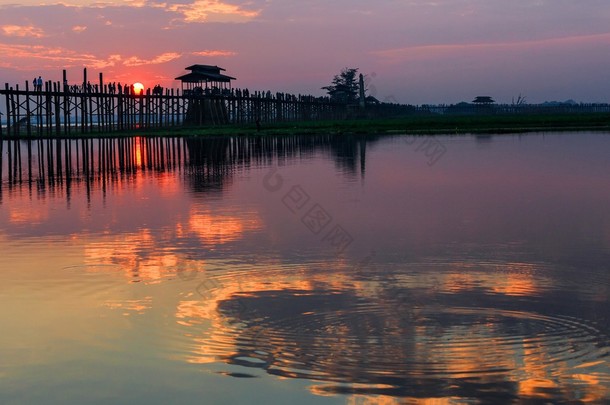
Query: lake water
x=315, y=269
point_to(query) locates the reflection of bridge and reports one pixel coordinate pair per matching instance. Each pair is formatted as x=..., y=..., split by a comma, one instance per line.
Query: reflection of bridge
x=58, y=164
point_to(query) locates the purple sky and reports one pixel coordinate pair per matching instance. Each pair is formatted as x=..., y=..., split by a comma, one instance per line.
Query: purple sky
x=414, y=52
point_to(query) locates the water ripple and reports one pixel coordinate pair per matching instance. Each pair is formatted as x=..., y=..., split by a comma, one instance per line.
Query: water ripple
x=339, y=338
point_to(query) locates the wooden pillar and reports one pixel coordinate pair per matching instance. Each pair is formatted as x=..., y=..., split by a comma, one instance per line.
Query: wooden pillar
x=27, y=109
x=16, y=108
x=142, y=102
x=101, y=101
x=57, y=110
x=8, y=109
x=66, y=103
x=150, y=116
x=119, y=108
x=111, y=108
x=48, y=104
x=83, y=102
x=173, y=112
x=90, y=108
x=129, y=109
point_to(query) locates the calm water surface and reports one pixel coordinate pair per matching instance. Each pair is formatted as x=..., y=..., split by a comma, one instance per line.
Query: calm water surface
x=318, y=269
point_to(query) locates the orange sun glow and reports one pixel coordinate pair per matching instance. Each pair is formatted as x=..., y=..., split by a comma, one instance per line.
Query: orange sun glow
x=138, y=88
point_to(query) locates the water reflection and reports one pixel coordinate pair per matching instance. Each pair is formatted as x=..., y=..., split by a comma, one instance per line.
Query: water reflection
x=47, y=164
x=41, y=173
x=399, y=333
x=214, y=272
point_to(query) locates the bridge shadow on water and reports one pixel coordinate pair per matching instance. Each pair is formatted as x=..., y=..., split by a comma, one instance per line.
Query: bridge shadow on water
x=52, y=165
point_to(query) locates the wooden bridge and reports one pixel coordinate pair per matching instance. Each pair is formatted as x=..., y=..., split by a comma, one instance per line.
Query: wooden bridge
x=61, y=110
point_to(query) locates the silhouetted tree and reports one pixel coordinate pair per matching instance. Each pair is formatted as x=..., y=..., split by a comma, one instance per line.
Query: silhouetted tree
x=520, y=100
x=344, y=87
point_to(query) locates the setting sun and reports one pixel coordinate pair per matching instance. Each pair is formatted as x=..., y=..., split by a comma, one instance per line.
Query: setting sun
x=138, y=88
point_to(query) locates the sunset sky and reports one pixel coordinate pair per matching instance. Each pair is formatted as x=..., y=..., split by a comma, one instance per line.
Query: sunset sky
x=415, y=52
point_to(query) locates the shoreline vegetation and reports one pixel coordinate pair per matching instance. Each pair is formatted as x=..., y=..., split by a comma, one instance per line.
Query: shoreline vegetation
x=407, y=125
x=411, y=125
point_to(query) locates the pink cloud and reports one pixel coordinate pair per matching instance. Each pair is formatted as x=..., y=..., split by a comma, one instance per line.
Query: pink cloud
x=40, y=52
x=212, y=53
x=28, y=58
x=163, y=58
x=213, y=10
x=22, y=31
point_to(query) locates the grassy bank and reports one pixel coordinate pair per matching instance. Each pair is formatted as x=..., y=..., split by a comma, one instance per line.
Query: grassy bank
x=415, y=125
x=437, y=124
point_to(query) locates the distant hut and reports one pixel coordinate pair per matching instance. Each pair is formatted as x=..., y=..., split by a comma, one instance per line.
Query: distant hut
x=484, y=105
x=483, y=100
x=371, y=100
x=205, y=79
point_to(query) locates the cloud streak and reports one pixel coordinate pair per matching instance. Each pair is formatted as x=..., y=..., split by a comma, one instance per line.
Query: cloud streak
x=214, y=53
x=22, y=31
x=163, y=58
x=29, y=57
x=21, y=53
x=442, y=50
x=213, y=11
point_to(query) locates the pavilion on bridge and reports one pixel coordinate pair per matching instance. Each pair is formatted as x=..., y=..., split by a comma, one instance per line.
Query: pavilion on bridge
x=205, y=79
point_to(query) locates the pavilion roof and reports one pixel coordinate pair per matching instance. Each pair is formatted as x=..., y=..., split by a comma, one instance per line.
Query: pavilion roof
x=195, y=77
x=214, y=68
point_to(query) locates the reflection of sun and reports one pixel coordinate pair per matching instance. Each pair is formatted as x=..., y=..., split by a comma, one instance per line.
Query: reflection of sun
x=221, y=229
x=138, y=150
x=138, y=88
x=25, y=215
